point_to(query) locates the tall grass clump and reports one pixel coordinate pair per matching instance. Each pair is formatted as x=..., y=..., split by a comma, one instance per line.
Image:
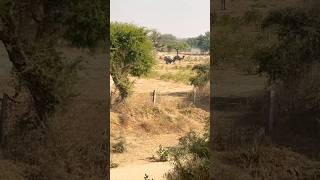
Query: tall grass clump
x=191, y=157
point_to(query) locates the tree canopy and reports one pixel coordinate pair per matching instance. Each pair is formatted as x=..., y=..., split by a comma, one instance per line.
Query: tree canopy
x=31, y=31
x=297, y=45
x=177, y=46
x=166, y=39
x=155, y=37
x=131, y=54
x=202, y=42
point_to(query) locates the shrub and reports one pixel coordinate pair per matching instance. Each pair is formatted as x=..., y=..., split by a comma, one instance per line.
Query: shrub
x=146, y=177
x=163, y=153
x=120, y=146
x=131, y=54
x=113, y=165
x=202, y=75
x=191, y=158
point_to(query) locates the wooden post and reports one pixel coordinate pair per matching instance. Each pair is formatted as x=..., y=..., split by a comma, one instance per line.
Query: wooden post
x=3, y=117
x=271, y=109
x=194, y=95
x=223, y=4
x=154, y=96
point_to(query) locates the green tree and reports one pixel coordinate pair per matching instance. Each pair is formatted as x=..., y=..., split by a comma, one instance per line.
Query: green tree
x=297, y=45
x=31, y=31
x=155, y=37
x=131, y=54
x=167, y=39
x=178, y=46
x=203, y=42
x=289, y=59
x=192, y=42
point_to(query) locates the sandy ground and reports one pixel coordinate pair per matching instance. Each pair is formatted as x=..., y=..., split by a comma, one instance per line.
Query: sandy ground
x=141, y=148
x=137, y=160
x=148, y=85
x=137, y=171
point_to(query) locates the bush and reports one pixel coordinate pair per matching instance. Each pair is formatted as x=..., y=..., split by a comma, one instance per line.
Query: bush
x=120, y=146
x=202, y=75
x=191, y=158
x=131, y=54
x=163, y=153
x=146, y=177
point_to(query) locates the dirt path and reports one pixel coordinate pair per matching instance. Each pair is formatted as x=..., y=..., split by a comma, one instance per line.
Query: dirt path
x=137, y=171
x=141, y=148
x=137, y=161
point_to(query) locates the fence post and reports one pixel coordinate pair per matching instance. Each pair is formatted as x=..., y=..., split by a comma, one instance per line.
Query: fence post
x=271, y=109
x=154, y=96
x=194, y=95
x=3, y=117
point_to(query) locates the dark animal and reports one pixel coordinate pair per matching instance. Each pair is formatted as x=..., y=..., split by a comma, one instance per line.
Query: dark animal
x=168, y=60
x=178, y=58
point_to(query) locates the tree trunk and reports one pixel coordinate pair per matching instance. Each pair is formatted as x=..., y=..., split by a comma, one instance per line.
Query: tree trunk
x=223, y=4
x=19, y=59
x=271, y=109
x=122, y=84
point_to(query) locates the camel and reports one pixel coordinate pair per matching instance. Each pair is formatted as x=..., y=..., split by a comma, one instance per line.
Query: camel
x=168, y=59
x=177, y=57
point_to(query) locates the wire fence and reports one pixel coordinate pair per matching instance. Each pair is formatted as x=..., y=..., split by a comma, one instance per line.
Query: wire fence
x=162, y=97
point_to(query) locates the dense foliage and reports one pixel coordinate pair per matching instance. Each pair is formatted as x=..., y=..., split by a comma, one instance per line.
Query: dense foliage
x=191, y=157
x=42, y=142
x=156, y=39
x=297, y=46
x=202, y=75
x=131, y=54
x=177, y=46
x=31, y=32
x=202, y=42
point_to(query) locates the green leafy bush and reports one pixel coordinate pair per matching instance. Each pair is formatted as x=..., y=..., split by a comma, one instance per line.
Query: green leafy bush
x=131, y=54
x=191, y=158
x=202, y=75
x=120, y=146
x=163, y=153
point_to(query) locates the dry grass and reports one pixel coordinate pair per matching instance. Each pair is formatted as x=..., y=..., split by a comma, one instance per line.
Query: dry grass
x=262, y=162
x=179, y=71
x=156, y=119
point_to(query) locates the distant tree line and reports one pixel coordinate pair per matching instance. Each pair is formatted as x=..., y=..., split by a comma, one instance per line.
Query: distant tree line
x=168, y=42
x=202, y=42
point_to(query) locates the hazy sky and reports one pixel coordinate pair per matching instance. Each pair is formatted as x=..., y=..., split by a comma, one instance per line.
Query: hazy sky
x=182, y=18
